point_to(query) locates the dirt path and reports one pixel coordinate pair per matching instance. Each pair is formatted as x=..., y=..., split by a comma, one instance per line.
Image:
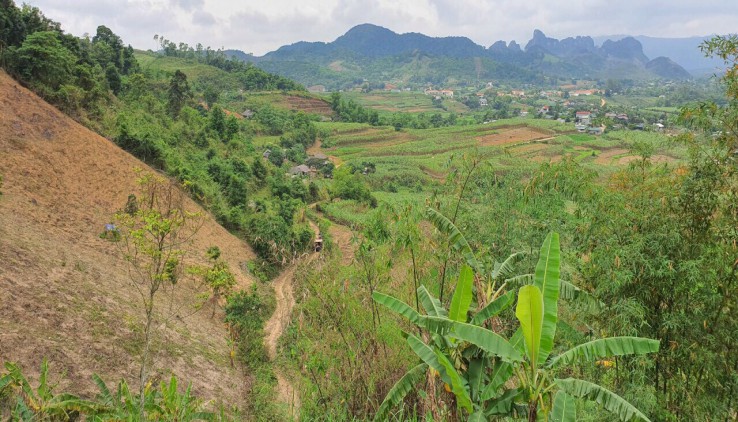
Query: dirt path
x=277, y=323
x=273, y=330
x=275, y=326
x=317, y=148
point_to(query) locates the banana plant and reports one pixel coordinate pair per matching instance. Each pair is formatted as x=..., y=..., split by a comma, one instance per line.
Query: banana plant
x=167, y=403
x=510, y=378
x=459, y=348
x=40, y=403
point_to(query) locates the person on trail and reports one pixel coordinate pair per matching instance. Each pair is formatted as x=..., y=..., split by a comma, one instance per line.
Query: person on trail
x=318, y=243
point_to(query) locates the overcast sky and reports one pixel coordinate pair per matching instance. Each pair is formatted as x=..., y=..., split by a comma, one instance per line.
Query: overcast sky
x=260, y=26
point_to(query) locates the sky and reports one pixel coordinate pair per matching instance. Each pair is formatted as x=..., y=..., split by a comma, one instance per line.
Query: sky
x=260, y=26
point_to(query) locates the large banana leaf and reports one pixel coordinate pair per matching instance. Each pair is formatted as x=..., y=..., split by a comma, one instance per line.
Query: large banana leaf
x=396, y=305
x=455, y=238
x=547, y=280
x=493, y=308
x=398, y=392
x=427, y=355
x=105, y=397
x=475, y=374
x=487, y=340
x=503, y=404
x=501, y=373
x=462, y=295
x=601, y=348
x=606, y=398
x=569, y=291
x=564, y=408
x=530, y=314
x=431, y=305
x=519, y=280
x=504, y=269
x=459, y=385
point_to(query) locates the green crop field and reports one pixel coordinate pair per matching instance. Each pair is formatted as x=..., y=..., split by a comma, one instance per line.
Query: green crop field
x=408, y=102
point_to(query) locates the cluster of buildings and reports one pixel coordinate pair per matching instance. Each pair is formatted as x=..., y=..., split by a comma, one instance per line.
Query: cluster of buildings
x=439, y=92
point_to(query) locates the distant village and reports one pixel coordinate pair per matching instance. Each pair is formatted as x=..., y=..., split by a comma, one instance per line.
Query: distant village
x=584, y=104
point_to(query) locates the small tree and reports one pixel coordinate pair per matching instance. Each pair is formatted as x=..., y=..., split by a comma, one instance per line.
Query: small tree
x=152, y=241
x=179, y=92
x=218, y=279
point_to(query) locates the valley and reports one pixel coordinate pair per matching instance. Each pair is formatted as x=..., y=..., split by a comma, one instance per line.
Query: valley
x=387, y=227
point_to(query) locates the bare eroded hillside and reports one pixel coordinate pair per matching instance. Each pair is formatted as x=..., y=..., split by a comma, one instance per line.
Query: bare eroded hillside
x=64, y=293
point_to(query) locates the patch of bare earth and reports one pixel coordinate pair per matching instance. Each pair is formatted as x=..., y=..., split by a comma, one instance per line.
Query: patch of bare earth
x=513, y=136
x=273, y=330
x=336, y=66
x=606, y=157
x=65, y=294
x=528, y=149
x=656, y=159
x=317, y=147
x=437, y=175
x=308, y=105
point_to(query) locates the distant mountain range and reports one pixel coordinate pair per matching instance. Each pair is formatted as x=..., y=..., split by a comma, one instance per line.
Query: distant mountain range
x=685, y=51
x=372, y=54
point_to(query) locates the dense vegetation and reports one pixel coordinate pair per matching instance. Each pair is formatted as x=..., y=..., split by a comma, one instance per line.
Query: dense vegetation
x=446, y=234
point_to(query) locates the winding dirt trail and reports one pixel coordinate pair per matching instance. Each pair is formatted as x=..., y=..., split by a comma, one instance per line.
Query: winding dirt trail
x=273, y=330
x=275, y=326
x=277, y=323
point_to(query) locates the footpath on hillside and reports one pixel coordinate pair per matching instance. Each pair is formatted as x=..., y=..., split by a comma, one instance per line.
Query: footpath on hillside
x=285, y=302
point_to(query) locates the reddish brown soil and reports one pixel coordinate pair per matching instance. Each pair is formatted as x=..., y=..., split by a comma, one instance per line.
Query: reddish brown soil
x=513, y=135
x=64, y=292
x=308, y=105
x=317, y=148
x=606, y=157
x=654, y=159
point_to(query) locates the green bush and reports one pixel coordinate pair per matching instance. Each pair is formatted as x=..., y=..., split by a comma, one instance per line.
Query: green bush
x=246, y=313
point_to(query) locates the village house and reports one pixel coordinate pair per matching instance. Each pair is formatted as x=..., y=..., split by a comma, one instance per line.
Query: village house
x=583, y=117
x=302, y=170
x=579, y=92
x=441, y=93
x=316, y=161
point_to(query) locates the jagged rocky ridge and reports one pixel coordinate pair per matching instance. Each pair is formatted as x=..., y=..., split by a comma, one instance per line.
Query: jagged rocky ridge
x=366, y=45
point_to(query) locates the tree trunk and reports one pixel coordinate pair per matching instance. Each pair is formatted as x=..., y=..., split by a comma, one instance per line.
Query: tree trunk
x=145, y=359
x=533, y=411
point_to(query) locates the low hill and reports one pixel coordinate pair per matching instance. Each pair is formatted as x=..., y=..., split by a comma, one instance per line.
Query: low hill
x=64, y=292
x=667, y=68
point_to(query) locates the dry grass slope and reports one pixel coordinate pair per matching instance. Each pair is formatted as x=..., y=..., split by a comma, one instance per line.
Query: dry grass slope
x=64, y=293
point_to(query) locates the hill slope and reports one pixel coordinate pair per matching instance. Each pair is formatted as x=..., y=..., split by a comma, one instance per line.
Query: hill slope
x=64, y=293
